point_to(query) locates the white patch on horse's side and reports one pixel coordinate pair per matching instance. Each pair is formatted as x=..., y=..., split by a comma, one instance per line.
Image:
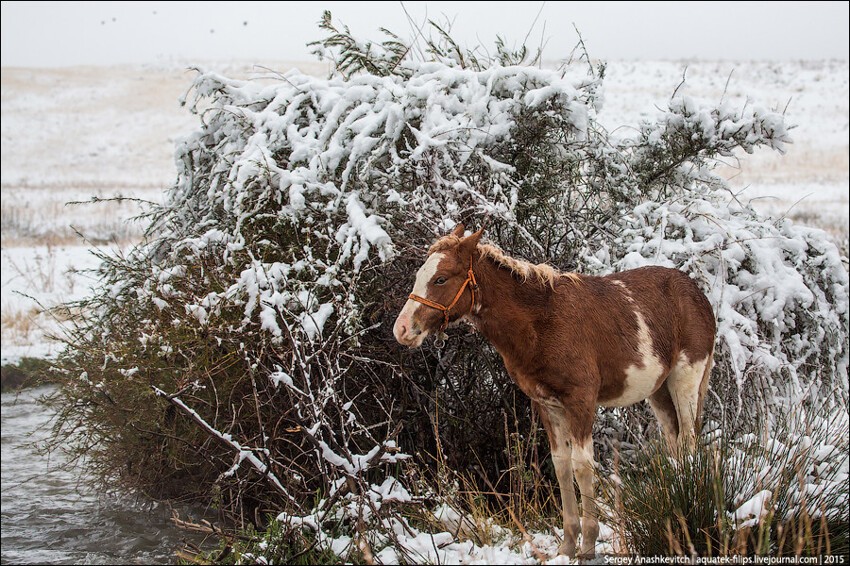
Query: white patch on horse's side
x=642, y=377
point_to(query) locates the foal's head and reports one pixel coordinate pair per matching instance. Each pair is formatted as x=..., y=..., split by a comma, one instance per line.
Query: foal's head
x=443, y=291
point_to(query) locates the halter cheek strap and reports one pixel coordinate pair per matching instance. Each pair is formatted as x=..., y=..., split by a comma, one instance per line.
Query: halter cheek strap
x=470, y=282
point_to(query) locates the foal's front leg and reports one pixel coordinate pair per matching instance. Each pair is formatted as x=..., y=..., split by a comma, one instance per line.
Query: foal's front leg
x=554, y=420
x=583, y=468
x=580, y=409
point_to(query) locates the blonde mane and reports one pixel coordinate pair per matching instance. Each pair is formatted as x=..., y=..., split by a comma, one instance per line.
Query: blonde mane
x=542, y=273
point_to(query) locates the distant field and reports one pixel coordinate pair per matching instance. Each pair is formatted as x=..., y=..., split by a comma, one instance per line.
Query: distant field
x=809, y=184
x=77, y=133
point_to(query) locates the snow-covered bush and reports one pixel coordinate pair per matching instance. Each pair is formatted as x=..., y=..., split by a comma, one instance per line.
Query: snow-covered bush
x=779, y=292
x=244, y=349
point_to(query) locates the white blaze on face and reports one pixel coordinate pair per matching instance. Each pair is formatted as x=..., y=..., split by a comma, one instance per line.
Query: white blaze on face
x=404, y=322
x=425, y=274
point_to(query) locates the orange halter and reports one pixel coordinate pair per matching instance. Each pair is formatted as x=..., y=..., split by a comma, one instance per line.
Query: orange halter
x=470, y=281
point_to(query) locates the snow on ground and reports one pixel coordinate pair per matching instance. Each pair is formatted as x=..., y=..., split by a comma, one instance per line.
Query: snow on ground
x=76, y=133
x=100, y=127
x=51, y=214
x=39, y=275
x=454, y=545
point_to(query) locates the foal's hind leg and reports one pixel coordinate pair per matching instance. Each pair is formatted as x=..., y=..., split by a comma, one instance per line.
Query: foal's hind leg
x=662, y=405
x=687, y=384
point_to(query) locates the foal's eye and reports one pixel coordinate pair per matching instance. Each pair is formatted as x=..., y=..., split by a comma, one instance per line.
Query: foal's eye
x=440, y=281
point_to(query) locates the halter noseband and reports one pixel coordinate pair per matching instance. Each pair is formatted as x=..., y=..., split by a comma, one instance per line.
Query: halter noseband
x=470, y=281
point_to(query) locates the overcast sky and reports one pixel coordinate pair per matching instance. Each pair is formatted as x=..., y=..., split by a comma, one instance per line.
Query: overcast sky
x=48, y=34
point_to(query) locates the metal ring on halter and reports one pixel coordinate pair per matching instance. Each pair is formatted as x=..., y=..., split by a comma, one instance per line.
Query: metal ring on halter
x=440, y=340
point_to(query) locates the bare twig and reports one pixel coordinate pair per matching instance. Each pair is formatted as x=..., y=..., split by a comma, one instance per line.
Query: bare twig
x=245, y=453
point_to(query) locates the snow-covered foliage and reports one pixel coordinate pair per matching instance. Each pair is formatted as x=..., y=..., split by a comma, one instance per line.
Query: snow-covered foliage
x=316, y=171
x=266, y=288
x=407, y=543
x=344, y=167
x=779, y=292
x=799, y=463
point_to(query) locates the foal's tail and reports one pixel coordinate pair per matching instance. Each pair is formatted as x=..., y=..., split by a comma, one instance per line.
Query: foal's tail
x=703, y=389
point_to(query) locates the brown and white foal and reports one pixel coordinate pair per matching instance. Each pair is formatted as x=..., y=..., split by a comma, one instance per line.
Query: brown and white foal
x=573, y=342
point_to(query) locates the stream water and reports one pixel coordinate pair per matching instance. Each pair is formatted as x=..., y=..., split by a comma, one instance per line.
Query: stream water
x=50, y=516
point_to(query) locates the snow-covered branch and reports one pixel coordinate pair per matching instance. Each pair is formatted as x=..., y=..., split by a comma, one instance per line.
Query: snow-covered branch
x=243, y=453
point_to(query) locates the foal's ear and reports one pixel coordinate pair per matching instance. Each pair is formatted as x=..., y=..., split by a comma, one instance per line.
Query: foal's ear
x=458, y=231
x=468, y=244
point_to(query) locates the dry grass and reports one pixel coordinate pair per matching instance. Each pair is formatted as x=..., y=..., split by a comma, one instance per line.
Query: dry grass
x=18, y=325
x=40, y=272
x=804, y=165
x=34, y=283
x=48, y=216
x=663, y=506
x=523, y=499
